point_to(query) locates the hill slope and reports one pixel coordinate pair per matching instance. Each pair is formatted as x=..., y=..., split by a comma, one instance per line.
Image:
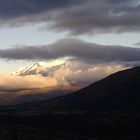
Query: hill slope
x=106, y=110
x=118, y=91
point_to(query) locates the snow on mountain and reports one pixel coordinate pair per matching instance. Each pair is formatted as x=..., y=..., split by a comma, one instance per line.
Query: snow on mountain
x=37, y=68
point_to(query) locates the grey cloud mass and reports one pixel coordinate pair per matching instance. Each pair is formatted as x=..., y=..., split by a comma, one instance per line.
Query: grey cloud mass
x=75, y=48
x=75, y=16
x=17, y=8
x=137, y=44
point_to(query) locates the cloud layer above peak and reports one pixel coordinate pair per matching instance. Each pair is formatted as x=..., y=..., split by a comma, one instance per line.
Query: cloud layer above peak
x=76, y=49
x=75, y=16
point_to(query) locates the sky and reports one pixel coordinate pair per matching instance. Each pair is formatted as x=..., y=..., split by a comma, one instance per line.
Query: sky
x=97, y=38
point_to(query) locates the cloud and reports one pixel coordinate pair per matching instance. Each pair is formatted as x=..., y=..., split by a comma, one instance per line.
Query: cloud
x=82, y=74
x=84, y=51
x=60, y=80
x=21, y=12
x=100, y=16
x=71, y=73
x=19, y=8
x=9, y=82
x=137, y=44
x=75, y=16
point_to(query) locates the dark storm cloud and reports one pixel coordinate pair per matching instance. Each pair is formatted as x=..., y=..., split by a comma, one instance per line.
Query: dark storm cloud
x=81, y=50
x=75, y=16
x=101, y=16
x=17, y=8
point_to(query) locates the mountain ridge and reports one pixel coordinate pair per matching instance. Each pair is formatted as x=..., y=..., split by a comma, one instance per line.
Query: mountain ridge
x=34, y=69
x=39, y=68
x=117, y=91
x=108, y=109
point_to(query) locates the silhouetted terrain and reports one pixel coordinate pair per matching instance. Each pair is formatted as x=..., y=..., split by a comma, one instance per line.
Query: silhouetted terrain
x=106, y=110
x=21, y=96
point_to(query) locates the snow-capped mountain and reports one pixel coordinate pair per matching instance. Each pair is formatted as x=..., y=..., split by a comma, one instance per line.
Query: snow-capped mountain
x=37, y=68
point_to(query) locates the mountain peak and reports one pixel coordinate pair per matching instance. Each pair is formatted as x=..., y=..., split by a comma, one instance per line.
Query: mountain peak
x=39, y=68
x=35, y=69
